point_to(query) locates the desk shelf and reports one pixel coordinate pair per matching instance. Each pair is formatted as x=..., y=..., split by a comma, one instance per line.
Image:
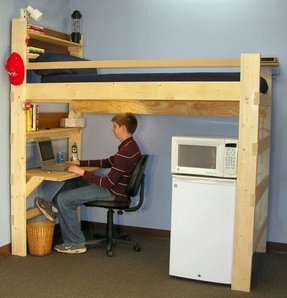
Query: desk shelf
x=54, y=40
x=23, y=182
x=35, y=178
x=54, y=133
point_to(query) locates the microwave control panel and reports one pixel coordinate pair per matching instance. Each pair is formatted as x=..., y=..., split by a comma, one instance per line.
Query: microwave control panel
x=230, y=156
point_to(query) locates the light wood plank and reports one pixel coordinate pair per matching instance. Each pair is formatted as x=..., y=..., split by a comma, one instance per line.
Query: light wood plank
x=144, y=63
x=263, y=155
x=18, y=148
x=55, y=176
x=204, y=91
x=246, y=175
x=148, y=63
x=53, y=40
x=260, y=189
x=32, y=212
x=55, y=133
x=32, y=184
x=157, y=107
x=261, y=214
x=263, y=99
x=260, y=233
x=263, y=145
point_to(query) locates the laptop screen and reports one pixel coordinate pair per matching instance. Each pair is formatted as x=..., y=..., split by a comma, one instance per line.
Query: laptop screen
x=46, y=150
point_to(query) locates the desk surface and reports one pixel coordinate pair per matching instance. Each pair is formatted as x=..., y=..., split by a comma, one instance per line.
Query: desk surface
x=55, y=176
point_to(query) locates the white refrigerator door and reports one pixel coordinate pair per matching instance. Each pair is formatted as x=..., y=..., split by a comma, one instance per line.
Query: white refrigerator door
x=202, y=228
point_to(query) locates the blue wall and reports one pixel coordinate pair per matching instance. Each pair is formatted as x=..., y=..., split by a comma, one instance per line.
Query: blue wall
x=131, y=29
x=154, y=137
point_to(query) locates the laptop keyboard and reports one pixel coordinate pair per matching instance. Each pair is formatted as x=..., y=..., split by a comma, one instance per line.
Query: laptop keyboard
x=57, y=167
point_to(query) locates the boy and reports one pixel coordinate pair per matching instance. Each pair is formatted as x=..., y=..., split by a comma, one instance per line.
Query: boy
x=91, y=187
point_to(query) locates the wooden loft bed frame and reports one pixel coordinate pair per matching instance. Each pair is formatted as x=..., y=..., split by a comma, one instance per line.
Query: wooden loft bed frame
x=241, y=99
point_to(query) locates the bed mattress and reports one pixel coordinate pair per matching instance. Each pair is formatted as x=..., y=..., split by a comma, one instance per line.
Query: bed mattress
x=92, y=75
x=151, y=77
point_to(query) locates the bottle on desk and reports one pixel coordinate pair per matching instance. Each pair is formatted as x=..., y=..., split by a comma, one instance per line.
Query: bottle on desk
x=74, y=152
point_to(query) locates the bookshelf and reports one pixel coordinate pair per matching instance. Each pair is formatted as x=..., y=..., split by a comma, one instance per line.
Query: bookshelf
x=22, y=184
x=53, y=40
x=56, y=133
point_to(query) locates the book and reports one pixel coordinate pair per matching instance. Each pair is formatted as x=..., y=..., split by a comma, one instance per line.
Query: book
x=35, y=31
x=33, y=56
x=32, y=117
x=35, y=28
x=35, y=117
x=35, y=50
x=28, y=114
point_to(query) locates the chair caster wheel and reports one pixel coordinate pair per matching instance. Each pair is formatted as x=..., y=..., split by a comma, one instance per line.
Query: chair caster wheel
x=137, y=248
x=110, y=253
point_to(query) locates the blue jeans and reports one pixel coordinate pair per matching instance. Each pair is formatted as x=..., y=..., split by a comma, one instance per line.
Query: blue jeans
x=75, y=193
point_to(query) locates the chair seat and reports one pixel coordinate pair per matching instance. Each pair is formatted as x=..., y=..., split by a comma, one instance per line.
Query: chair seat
x=108, y=204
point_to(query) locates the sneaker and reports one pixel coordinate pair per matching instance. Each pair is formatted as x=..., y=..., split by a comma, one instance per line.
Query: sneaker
x=48, y=209
x=69, y=249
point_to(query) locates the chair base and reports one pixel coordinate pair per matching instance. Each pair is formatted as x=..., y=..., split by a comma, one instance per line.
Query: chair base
x=111, y=239
x=111, y=244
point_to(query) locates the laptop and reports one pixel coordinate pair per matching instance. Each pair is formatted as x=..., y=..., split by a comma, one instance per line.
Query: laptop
x=47, y=157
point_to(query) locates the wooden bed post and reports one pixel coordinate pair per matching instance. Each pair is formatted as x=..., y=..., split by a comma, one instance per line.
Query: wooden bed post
x=18, y=147
x=247, y=173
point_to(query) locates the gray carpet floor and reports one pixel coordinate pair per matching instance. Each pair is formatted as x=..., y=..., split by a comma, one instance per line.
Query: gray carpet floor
x=127, y=274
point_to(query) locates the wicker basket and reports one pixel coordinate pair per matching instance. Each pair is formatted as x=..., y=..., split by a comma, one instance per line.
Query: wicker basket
x=40, y=237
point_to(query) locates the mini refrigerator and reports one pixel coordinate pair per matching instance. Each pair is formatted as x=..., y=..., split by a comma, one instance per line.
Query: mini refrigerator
x=202, y=228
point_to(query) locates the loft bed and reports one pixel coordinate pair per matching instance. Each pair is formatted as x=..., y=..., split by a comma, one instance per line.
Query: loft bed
x=217, y=98
x=156, y=93
x=240, y=97
x=92, y=75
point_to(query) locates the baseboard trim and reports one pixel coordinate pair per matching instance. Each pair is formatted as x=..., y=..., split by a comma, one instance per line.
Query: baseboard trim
x=165, y=234
x=5, y=250
x=277, y=247
x=154, y=233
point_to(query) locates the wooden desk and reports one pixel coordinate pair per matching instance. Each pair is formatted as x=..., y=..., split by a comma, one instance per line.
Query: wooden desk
x=54, y=176
x=36, y=176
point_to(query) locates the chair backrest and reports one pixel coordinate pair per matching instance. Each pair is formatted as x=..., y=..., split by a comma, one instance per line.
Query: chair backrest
x=137, y=182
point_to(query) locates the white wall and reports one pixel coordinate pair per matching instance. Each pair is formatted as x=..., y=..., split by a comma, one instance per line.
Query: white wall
x=186, y=29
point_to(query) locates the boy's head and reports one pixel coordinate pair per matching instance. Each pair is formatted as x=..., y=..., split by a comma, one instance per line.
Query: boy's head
x=128, y=120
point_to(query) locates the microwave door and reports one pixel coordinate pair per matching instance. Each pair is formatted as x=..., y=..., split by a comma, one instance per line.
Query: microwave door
x=198, y=160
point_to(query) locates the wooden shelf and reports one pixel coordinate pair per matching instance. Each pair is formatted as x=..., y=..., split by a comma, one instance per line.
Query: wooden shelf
x=53, y=40
x=55, y=133
x=55, y=176
x=24, y=183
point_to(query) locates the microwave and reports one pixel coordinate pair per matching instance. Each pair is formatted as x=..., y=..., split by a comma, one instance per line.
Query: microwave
x=204, y=156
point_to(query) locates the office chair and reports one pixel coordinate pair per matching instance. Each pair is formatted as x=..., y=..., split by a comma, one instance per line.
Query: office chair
x=135, y=185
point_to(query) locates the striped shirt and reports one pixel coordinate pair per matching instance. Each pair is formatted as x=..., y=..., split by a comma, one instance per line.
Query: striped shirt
x=121, y=165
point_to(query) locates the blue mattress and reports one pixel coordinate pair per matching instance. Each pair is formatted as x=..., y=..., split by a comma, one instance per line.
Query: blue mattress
x=150, y=77
x=92, y=75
